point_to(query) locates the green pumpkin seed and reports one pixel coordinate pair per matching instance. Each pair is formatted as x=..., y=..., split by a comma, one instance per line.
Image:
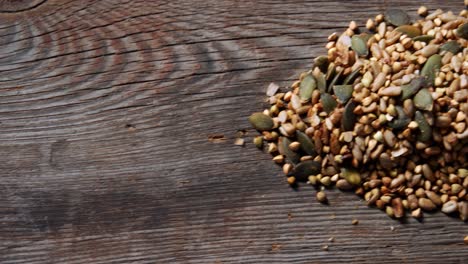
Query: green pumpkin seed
x=397, y=17
x=359, y=45
x=349, y=118
x=365, y=36
x=261, y=121
x=258, y=142
x=352, y=76
x=321, y=82
x=306, y=143
x=343, y=92
x=351, y=175
x=424, y=38
x=462, y=31
x=308, y=84
x=424, y=127
x=402, y=121
x=423, y=100
x=305, y=169
x=413, y=87
x=431, y=68
x=331, y=71
x=335, y=80
x=322, y=63
x=452, y=46
x=410, y=31
x=284, y=149
x=328, y=102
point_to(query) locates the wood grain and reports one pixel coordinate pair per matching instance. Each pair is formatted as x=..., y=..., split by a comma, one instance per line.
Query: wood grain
x=106, y=110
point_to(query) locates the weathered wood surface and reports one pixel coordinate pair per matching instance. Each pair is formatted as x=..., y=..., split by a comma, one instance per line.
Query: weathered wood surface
x=106, y=110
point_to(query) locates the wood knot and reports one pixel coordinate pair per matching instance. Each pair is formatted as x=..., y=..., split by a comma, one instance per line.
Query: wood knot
x=13, y=6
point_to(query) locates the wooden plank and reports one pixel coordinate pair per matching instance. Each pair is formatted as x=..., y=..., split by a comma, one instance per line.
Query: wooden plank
x=106, y=110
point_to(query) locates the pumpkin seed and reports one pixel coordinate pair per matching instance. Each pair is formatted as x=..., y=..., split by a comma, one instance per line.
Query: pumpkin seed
x=423, y=100
x=349, y=118
x=321, y=81
x=423, y=126
x=410, y=31
x=359, y=45
x=402, y=121
x=335, y=80
x=261, y=121
x=352, y=76
x=462, y=31
x=431, y=68
x=331, y=71
x=285, y=150
x=424, y=38
x=343, y=92
x=396, y=17
x=322, y=63
x=305, y=169
x=328, y=102
x=452, y=46
x=306, y=143
x=351, y=175
x=411, y=88
x=308, y=84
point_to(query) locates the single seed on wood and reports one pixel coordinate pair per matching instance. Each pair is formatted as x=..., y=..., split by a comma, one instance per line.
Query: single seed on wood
x=321, y=197
x=417, y=213
x=355, y=222
x=422, y=11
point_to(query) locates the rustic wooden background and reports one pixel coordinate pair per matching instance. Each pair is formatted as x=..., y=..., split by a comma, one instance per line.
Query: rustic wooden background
x=117, y=123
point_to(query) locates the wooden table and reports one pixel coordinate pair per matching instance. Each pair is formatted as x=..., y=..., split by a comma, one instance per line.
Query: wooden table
x=117, y=123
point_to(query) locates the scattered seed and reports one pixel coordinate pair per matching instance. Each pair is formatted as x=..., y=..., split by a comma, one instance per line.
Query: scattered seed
x=359, y=45
x=355, y=222
x=322, y=197
x=410, y=31
x=450, y=207
x=329, y=103
x=462, y=31
x=343, y=92
x=261, y=121
x=426, y=204
x=431, y=68
x=306, y=168
x=308, y=84
x=452, y=46
x=422, y=11
x=396, y=17
x=423, y=100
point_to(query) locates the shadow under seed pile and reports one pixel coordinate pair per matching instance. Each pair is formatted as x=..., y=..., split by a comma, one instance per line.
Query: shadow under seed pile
x=383, y=114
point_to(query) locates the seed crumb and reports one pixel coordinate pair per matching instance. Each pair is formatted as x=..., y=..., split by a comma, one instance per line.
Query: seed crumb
x=466, y=240
x=332, y=239
x=325, y=248
x=355, y=222
x=239, y=142
x=392, y=228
